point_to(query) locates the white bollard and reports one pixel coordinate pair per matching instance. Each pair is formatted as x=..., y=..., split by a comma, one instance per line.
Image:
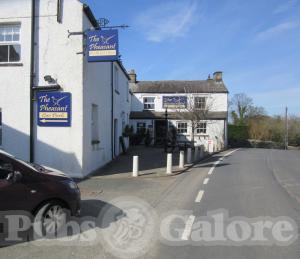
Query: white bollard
x=135, y=167
x=169, y=164
x=196, y=154
x=189, y=156
x=181, y=159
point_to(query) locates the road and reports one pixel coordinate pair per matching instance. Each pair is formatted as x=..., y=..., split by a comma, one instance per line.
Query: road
x=247, y=183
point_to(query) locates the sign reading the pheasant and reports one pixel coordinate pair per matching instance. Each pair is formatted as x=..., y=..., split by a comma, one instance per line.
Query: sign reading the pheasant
x=102, y=45
x=54, y=109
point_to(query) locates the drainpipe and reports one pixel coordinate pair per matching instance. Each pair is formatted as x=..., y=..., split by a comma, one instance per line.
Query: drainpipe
x=32, y=57
x=112, y=109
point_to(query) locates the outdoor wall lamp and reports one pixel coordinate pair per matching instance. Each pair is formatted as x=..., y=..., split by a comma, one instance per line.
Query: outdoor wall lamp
x=49, y=79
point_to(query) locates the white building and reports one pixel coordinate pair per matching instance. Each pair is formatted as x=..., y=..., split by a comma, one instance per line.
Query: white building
x=209, y=97
x=100, y=95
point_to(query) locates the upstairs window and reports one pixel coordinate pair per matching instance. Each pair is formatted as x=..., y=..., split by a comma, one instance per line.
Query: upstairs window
x=201, y=128
x=10, y=48
x=181, y=127
x=149, y=103
x=200, y=103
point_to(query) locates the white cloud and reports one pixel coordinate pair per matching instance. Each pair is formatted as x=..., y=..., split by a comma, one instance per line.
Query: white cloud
x=287, y=5
x=276, y=30
x=168, y=20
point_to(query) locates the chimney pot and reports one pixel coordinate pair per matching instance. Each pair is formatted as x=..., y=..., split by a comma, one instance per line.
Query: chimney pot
x=218, y=76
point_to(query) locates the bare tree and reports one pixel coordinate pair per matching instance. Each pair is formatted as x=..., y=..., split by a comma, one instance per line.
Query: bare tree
x=196, y=110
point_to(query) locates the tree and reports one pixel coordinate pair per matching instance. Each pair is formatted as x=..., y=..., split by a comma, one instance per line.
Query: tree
x=240, y=106
x=194, y=112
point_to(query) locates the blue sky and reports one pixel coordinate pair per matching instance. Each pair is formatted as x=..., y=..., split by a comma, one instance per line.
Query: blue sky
x=255, y=43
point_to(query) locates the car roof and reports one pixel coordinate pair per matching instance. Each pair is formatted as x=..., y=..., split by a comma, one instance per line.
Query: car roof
x=5, y=153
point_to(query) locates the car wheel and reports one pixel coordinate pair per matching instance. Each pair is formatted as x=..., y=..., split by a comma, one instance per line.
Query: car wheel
x=50, y=219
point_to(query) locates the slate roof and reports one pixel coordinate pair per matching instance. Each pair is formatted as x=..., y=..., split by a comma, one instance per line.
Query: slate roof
x=172, y=115
x=177, y=86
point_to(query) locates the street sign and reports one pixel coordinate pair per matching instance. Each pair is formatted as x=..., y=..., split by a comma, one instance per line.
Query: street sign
x=54, y=109
x=102, y=45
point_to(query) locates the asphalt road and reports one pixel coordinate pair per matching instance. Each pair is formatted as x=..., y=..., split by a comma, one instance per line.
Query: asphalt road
x=250, y=184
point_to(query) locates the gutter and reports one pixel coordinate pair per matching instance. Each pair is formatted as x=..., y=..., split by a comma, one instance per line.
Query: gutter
x=32, y=76
x=88, y=12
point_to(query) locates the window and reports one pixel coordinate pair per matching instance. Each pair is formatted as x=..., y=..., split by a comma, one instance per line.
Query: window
x=149, y=103
x=0, y=127
x=140, y=126
x=95, y=124
x=201, y=128
x=10, y=48
x=116, y=79
x=200, y=103
x=6, y=169
x=181, y=127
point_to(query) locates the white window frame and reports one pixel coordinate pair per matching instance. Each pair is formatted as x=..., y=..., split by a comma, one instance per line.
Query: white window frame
x=203, y=104
x=11, y=42
x=201, y=127
x=138, y=127
x=148, y=103
x=180, y=130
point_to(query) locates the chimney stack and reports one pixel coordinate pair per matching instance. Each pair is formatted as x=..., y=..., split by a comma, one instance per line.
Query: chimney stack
x=132, y=76
x=218, y=76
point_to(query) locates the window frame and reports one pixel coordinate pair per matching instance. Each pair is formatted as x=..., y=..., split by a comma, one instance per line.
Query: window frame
x=149, y=103
x=12, y=42
x=180, y=129
x=203, y=104
x=139, y=128
x=203, y=129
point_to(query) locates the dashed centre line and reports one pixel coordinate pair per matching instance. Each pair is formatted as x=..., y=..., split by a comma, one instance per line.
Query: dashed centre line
x=205, y=180
x=188, y=228
x=199, y=196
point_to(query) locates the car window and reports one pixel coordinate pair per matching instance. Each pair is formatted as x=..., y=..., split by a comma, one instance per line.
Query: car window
x=5, y=169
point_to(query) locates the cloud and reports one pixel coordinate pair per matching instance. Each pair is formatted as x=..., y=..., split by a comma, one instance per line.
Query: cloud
x=276, y=30
x=168, y=20
x=285, y=6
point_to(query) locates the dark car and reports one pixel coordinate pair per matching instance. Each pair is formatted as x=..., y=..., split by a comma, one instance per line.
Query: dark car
x=47, y=194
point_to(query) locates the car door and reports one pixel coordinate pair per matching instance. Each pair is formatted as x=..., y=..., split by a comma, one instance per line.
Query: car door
x=14, y=195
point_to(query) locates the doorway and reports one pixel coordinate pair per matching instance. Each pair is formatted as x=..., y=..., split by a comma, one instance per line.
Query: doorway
x=160, y=132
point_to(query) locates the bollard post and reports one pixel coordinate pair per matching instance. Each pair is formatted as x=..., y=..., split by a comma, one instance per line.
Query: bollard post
x=181, y=159
x=135, y=167
x=169, y=163
x=189, y=156
x=196, y=154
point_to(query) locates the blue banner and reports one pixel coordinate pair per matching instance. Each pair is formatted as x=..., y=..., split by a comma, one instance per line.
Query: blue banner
x=102, y=45
x=174, y=101
x=54, y=109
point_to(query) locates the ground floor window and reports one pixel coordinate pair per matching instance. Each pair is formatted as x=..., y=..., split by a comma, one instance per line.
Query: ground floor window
x=95, y=124
x=140, y=126
x=201, y=128
x=181, y=127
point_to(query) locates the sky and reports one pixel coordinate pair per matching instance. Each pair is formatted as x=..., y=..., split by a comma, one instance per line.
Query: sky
x=255, y=43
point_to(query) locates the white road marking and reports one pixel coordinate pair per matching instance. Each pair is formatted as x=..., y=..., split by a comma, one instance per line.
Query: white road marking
x=211, y=170
x=199, y=196
x=205, y=180
x=188, y=228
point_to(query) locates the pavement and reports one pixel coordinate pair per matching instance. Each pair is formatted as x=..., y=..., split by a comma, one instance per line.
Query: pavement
x=247, y=183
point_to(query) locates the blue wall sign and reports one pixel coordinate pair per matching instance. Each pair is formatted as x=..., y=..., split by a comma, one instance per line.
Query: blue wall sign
x=174, y=101
x=54, y=109
x=102, y=45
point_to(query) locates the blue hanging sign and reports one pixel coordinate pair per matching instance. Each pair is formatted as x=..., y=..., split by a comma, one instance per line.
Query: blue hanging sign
x=54, y=109
x=102, y=45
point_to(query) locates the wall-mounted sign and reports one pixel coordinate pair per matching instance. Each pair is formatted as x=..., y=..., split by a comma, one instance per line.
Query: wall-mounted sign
x=102, y=45
x=54, y=109
x=174, y=102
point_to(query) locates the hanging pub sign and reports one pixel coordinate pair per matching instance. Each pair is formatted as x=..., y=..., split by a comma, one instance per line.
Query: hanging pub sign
x=174, y=101
x=102, y=45
x=54, y=109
